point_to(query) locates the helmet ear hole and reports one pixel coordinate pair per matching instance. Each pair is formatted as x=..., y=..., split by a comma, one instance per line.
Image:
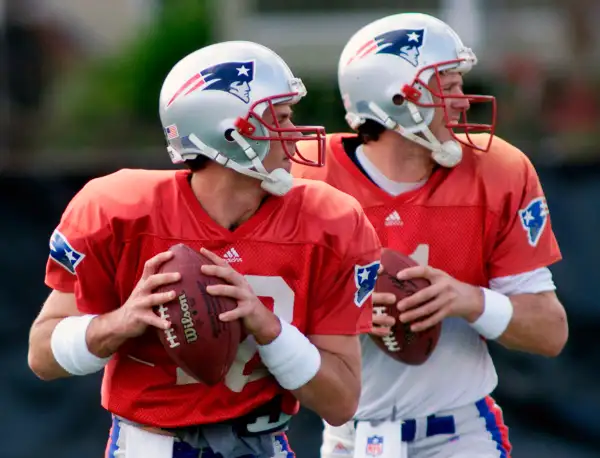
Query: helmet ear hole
x=398, y=99
x=228, y=136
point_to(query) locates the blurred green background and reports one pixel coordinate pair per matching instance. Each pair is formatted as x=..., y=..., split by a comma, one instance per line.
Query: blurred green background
x=80, y=99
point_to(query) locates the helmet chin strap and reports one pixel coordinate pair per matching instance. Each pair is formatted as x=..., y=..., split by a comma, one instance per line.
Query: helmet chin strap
x=277, y=182
x=447, y=154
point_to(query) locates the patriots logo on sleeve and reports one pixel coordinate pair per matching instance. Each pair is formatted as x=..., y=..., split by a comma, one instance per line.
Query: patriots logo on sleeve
x=533, y=219
x=365, y=278
x=63, y=253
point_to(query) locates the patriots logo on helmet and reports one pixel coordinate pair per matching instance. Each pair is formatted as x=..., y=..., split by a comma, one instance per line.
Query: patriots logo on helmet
x=404, y=43
x=231, y=77
x=365, y=278
x=63, y=253
x=534, y=218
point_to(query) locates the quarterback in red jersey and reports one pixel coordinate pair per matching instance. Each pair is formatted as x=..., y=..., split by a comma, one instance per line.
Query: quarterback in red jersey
x=470, y=210
x=304, y=248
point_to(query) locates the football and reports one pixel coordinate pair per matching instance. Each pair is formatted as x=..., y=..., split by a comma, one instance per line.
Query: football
x=198, y=342
x=402, y=344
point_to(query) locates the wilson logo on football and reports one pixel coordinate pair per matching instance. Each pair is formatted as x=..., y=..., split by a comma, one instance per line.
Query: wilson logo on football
x=186, y=319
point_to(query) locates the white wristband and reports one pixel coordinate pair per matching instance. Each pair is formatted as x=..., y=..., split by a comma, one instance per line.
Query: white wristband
x=291, y=357
x=497, y=313
x=70, y=349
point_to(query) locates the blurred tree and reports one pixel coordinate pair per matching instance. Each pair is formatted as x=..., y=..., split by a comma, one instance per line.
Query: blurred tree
x=114, y=101
x=33, y=45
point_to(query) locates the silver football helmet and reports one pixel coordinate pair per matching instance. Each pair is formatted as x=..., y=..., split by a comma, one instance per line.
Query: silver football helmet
x=213, y=101
x=384, y=74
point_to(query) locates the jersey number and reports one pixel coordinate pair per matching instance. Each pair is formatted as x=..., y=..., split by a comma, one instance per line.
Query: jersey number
x=421, y=254
x=283, y=306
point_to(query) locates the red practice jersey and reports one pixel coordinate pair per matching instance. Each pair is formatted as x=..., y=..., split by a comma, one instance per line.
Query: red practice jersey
x=485, y=218
x=311, y=256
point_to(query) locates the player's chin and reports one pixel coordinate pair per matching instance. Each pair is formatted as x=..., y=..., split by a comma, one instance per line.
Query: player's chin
x=286, y=164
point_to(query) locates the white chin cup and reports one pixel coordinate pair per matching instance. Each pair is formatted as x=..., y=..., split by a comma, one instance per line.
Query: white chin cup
x=448, y=154
x=278, y=182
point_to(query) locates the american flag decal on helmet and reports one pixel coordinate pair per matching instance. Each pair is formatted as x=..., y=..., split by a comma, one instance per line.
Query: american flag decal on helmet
x=171, y=132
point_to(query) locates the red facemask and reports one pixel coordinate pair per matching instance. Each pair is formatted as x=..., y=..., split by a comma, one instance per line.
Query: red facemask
x=413, y=94
x=285, y=135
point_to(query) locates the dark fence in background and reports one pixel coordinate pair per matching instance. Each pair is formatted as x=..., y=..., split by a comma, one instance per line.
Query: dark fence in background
x=552, y=405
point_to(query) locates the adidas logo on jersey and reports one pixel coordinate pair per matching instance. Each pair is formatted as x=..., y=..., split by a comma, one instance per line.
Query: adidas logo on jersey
x=341, y=449
x=393, y=219
x=232, y=256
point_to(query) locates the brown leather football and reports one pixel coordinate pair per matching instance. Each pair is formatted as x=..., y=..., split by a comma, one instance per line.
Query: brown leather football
x=198, y=342
x=402, y=344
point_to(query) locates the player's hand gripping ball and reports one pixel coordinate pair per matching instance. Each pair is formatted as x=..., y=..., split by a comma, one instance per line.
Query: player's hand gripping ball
x=198, y=341
x=401, y=343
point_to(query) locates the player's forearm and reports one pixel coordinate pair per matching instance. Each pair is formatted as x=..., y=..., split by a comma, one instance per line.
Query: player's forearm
x=322, y=371
x=538, y=325
x=334, y=391
x=40, y=358
x=102, y=337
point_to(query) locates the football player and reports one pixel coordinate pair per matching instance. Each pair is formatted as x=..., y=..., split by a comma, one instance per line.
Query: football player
x=306, y=249
x=470, y=210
